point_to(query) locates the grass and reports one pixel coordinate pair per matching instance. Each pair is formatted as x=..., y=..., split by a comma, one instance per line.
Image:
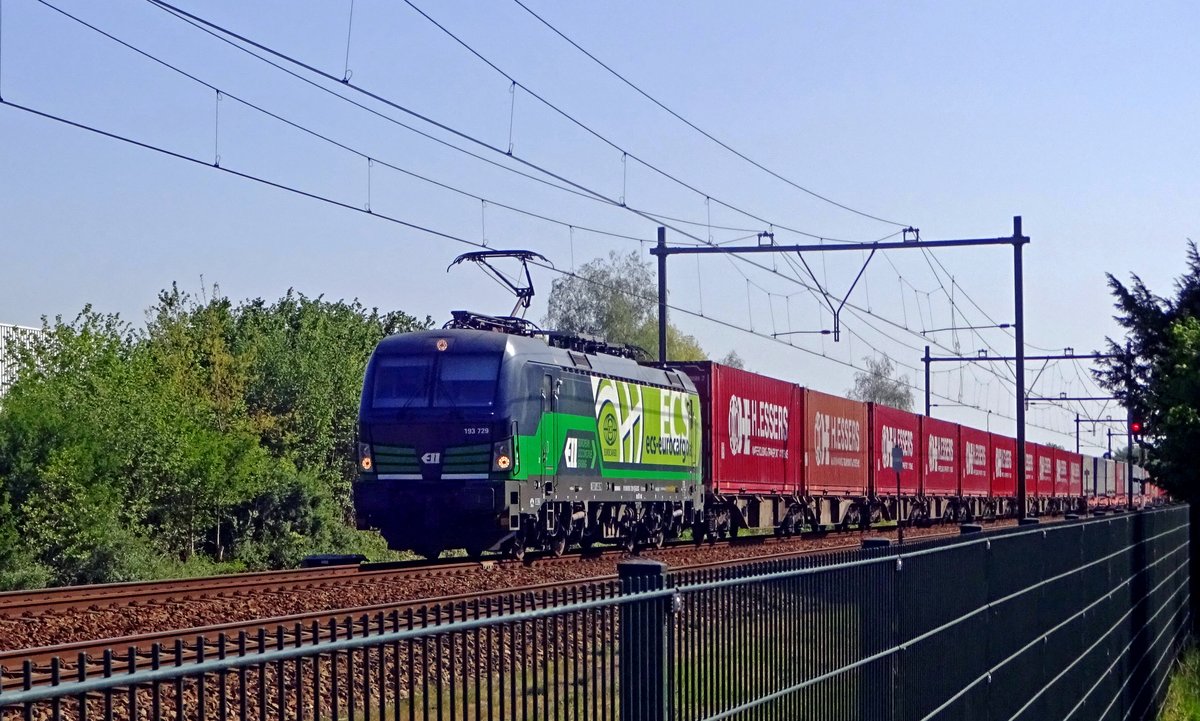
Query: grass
x=1183, y=695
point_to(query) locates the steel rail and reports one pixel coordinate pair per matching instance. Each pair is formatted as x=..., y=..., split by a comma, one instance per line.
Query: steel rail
x=302, y=624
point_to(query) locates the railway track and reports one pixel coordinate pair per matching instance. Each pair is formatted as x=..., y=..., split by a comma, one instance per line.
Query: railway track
x=85, y=598
x=16, y=604
x=31, y=666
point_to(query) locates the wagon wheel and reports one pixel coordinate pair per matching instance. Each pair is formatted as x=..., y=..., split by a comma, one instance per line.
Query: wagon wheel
x=558, y=544
x=657, y=538
x=853, y=517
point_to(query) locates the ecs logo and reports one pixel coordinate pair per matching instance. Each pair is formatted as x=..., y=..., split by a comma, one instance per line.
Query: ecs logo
x=431, y=459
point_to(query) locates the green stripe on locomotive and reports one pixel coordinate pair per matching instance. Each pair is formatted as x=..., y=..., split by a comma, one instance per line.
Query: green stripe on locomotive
x=630, y=431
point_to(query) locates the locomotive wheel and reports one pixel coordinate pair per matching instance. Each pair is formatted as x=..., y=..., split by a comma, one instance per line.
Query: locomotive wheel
x=629, y=531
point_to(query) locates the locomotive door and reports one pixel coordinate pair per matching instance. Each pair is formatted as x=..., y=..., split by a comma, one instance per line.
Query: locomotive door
x=548, y=430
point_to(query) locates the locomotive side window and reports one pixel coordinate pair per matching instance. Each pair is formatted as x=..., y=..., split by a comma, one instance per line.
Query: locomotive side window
x=466, y=380
x=402, y=382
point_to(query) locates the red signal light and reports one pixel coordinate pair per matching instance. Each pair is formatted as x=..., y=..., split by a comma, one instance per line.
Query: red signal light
x=1135, y=427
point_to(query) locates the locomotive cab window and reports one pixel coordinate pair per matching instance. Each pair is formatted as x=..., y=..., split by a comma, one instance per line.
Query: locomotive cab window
x=441, y=381
x=402, y=382
x=466, y=380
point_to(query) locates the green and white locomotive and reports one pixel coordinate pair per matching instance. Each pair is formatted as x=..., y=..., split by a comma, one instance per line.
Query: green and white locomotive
x=488, y=440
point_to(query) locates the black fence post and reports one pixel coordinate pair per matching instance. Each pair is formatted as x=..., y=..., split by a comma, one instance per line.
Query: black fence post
x=642, y=650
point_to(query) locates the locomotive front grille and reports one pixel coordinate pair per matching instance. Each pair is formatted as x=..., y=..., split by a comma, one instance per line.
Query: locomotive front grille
x=396, y=459
x=464, y=460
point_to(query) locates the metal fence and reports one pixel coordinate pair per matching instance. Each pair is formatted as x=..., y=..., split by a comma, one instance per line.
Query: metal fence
x=10, y=337
x=1078, y=620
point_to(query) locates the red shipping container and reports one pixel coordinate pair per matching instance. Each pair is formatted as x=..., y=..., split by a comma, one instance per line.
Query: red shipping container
x=1044, y=457
x=752, y=437
x=891, y=427
x=1031, y=484
x=1004, y=472
x=1062, y=473
x=940, y=440
x=1068, y=471
x=835, y=445
x=973, y=460
x=1121, y=485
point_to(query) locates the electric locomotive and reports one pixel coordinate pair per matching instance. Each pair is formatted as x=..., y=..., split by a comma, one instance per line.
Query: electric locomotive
x=523, y=439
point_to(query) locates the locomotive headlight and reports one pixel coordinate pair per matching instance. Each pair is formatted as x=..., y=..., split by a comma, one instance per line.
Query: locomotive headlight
x=365, y=462
x=502, y=456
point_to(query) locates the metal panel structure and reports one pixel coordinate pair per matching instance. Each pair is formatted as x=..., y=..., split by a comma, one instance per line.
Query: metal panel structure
x=10, y=337
x=1044, y=468
x=1076, y=620
x=1031, y=484
x=1004, y=471
x=754, y=441
x=974, y=445
x=1106, y=475
x=892, y=427
x=1089, y=476
x=940, y=440
x=1075, y=487
x=1062, y=471
x=835, y=445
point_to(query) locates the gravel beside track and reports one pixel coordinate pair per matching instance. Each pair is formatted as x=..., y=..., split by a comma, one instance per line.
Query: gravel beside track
x=182, y=615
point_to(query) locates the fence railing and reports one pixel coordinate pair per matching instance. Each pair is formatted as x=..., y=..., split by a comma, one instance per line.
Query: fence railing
x=1077, y=620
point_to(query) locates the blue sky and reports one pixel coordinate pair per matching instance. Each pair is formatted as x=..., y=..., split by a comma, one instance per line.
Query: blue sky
x=952, y=117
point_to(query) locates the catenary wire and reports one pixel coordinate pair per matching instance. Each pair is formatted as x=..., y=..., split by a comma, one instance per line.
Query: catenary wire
x=199, y=22
x=694, y=236
x=304, y=129
x=195, y=19
x=700, y=130
x=420, y=228
x=349, y=149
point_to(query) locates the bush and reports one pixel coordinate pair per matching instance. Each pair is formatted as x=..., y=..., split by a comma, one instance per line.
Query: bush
x=219, y=437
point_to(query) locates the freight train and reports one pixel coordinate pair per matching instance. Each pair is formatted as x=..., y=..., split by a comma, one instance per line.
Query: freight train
x=517, y=440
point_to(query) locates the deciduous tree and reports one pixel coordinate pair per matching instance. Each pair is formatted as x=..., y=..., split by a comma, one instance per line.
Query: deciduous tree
x=614, y=298
x=875, y=384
